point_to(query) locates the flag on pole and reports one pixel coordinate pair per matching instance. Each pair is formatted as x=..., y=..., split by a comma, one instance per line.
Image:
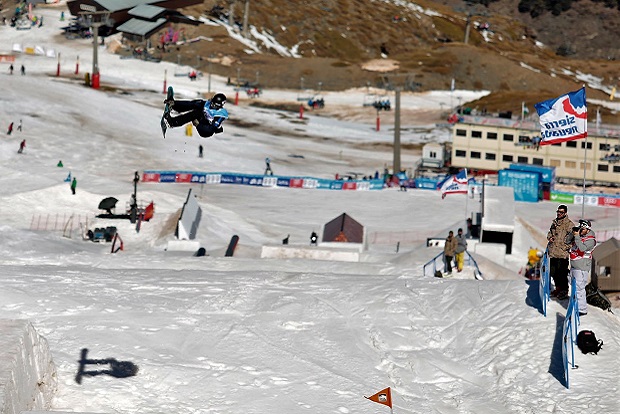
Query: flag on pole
x=525, y=111
x=564, y=118
x=454, y=184
x=382, y=397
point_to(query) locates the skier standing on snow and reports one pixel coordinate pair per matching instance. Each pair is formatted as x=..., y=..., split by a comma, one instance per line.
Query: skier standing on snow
x=268, y=170
x=206, y=115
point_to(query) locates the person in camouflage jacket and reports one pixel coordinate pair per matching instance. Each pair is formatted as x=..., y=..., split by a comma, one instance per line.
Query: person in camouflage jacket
x=558, y=249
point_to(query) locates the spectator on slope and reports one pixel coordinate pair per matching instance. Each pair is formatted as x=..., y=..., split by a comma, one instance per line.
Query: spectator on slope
x=558, y=248
x=461, y=247
x=449, y=249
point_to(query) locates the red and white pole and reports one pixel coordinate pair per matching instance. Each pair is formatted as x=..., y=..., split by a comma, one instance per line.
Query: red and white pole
x=378, y=121
x=77, y=65
x=301, y=111
x=237, y=98
x=58, y=66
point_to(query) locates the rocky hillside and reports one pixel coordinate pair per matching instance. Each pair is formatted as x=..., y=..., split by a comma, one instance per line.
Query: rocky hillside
x=421, y=45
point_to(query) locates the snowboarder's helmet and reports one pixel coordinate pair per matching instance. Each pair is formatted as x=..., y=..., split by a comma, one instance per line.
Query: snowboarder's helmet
x=218, y=101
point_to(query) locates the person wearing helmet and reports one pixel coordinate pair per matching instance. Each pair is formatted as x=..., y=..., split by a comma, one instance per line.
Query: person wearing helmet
x=582, y=241
x=206, y=115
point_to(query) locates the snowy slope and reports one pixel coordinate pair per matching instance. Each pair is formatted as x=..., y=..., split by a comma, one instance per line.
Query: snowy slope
x=245, y=335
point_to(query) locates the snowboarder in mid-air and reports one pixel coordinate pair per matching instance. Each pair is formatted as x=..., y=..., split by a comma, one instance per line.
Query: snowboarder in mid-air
x=206, y=115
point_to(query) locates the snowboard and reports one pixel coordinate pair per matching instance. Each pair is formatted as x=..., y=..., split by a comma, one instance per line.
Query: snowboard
x=232, y=246
x=163, y=123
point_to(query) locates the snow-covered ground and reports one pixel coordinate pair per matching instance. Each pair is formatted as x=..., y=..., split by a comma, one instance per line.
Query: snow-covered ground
x=249, y=335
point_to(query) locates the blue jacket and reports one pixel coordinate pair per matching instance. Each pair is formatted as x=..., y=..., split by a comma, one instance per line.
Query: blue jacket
x=215, y=116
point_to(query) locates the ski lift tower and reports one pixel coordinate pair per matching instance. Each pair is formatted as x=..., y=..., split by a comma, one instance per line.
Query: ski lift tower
x=95, y=19
x=471, y=9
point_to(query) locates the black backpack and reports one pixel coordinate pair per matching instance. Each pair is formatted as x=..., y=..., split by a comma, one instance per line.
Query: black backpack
x=587, y=342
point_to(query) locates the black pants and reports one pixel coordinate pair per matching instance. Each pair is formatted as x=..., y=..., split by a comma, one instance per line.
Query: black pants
x=448, y=267
x=558, y=270
x=190, y=111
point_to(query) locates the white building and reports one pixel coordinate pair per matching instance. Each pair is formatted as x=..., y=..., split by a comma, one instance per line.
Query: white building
x=486, y=143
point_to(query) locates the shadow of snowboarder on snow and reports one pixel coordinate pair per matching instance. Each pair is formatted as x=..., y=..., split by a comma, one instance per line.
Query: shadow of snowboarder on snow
x=118, y=369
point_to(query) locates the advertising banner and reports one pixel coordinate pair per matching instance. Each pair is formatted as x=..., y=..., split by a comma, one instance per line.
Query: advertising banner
x=588, y=200
x=199, y=178
x=183, y=178
x=296, y=182
x=168, y=177
x=150, y=177
x=609, y=201
x=562, y=198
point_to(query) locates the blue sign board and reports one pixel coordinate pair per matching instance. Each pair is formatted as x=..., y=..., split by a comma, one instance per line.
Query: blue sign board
x=426, y=183
x=527, y=185
x=547, y=173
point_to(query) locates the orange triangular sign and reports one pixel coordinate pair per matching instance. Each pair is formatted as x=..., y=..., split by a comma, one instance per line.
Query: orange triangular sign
x=382, y=397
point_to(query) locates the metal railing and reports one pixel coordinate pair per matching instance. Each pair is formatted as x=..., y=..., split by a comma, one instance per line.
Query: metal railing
x=432, y=265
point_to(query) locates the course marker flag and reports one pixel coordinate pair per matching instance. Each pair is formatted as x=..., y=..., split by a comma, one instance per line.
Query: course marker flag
x=382, y=397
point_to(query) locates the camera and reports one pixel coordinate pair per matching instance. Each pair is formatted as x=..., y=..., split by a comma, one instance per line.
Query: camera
x=576, y=228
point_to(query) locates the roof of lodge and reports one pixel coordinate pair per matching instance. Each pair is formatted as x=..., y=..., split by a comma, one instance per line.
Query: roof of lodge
x=146, y=11
x=116, y=5
x=141, y=27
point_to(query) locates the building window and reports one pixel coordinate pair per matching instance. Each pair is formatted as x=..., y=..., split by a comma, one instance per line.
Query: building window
x=537, y=161
x=524, y=139
x=583, y=145
x=604, y=147
x=603, y=167
x=432, y=154
x=460, y=153
x=555, y=163
x=571, y=144
x=588, y=166
x=461, y=132
x=616, y=169
x=570, y=164
x=522, y=160
x=508, y=137
x=507, y=158
x=475, y=154
x=489, y=156
x=491, y=135
x=476, y=134
x=557, y=144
